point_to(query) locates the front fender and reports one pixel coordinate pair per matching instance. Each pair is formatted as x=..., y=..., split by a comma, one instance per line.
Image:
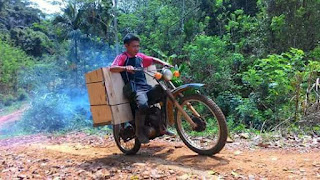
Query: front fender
x=186, y=87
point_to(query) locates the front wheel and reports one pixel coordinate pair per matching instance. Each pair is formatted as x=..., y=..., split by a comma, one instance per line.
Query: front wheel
x=210, y=135
x=128, y=145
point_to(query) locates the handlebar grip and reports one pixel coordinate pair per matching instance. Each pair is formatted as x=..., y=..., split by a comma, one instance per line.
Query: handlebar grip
x=138, y=69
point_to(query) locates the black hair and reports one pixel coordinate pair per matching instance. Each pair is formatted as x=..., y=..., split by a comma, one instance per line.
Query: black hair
x=129, y=38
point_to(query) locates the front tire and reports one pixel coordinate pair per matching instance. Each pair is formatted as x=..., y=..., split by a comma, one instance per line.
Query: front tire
x=130, y=147
x=212, y=126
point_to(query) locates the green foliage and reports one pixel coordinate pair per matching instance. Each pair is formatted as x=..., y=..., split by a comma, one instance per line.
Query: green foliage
x=240, y=31
x=53, y=112
x=292, y=24
x=212, y=53
x=276, y=80
x=159, y=25
x=22, y=94
x=245, y=51
x=275, y=73
x=278, y=22
x=33, y=42
x=8, y=100
x=316, y=129
x=248, y=113
x=17, y=13
x=44, y=26
x=315, y=54
x=11, y=61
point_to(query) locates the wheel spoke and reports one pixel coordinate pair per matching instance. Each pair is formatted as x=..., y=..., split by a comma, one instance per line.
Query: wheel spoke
x=127, y=147
x=208, y=136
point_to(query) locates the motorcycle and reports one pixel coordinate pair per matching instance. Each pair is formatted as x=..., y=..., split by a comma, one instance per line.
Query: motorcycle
x=197, y=119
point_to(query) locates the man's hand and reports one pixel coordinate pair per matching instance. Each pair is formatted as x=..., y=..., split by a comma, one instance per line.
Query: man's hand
x=129, y=69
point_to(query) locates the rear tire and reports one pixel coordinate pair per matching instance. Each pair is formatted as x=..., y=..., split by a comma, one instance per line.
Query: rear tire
x=130, y=150
x=221, y=121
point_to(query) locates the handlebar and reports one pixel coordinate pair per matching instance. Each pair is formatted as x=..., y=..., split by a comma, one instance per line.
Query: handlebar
x=142, y=69
x=138, y=69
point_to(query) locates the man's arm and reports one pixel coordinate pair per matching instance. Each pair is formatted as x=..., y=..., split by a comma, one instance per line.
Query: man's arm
x=118, y=65
x=158, y=61
x=117, y=69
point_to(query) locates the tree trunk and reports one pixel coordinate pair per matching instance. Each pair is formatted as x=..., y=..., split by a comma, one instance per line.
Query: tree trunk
x=76, y=61
x=116, y=26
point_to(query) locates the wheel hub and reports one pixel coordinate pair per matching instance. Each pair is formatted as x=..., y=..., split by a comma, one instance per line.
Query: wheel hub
x=127, y=133
x=201, y=124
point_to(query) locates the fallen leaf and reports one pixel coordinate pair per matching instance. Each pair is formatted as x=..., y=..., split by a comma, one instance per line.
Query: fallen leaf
x=237, y=152
x=139, y=164
x=183, y=177
x=212, y=172
x=244, y=135
x=22, y=176
x=235, y=174
x=229, y=140
x=265, y=145
x=135, y=177
x=251, y=177
x=155, y=174
x=316, y=164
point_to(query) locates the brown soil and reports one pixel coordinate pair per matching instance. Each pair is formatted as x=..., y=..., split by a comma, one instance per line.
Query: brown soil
x=80, y=156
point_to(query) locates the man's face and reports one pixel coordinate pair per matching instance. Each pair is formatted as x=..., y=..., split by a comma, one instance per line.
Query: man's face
x=133, y=47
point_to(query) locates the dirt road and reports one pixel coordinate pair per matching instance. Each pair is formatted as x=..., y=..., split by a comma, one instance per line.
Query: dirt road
x=14, y=116
x=80, y=156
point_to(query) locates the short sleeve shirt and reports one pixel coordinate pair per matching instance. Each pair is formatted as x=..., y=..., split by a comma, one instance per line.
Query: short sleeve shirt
x=120, y=59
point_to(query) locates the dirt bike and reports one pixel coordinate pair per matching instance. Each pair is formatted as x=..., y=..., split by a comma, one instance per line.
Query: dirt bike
x=198, y=120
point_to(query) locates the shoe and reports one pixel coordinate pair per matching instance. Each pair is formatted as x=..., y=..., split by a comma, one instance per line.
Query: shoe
x=139, y=122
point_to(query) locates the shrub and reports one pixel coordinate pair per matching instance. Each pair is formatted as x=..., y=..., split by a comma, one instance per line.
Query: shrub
x=8, y=100
x=48, y=113
x=33, y=42
x=22, y=95
x=12, y=61
x=56, y=111
x=211, y=63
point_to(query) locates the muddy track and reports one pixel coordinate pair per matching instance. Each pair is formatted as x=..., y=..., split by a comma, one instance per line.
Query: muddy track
x=80, y=156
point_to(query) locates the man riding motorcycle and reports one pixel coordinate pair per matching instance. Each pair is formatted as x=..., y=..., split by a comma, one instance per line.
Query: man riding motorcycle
x=145, y=95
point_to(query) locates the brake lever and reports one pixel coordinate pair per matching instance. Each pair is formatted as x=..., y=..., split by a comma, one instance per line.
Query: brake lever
x=168, y=66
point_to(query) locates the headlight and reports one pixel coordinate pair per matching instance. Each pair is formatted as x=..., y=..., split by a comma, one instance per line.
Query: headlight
x=167, y=74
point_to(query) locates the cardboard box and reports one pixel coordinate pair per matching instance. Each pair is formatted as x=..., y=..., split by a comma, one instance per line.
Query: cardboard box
x=107, y=103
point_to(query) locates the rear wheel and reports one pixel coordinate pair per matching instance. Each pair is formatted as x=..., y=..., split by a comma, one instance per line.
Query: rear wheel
x=210, y=135
x=127, y=145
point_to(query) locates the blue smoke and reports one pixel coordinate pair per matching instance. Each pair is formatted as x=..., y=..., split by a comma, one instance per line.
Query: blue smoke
x=58, y=94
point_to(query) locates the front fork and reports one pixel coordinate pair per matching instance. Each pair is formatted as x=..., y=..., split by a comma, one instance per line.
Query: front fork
x=179, y=107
